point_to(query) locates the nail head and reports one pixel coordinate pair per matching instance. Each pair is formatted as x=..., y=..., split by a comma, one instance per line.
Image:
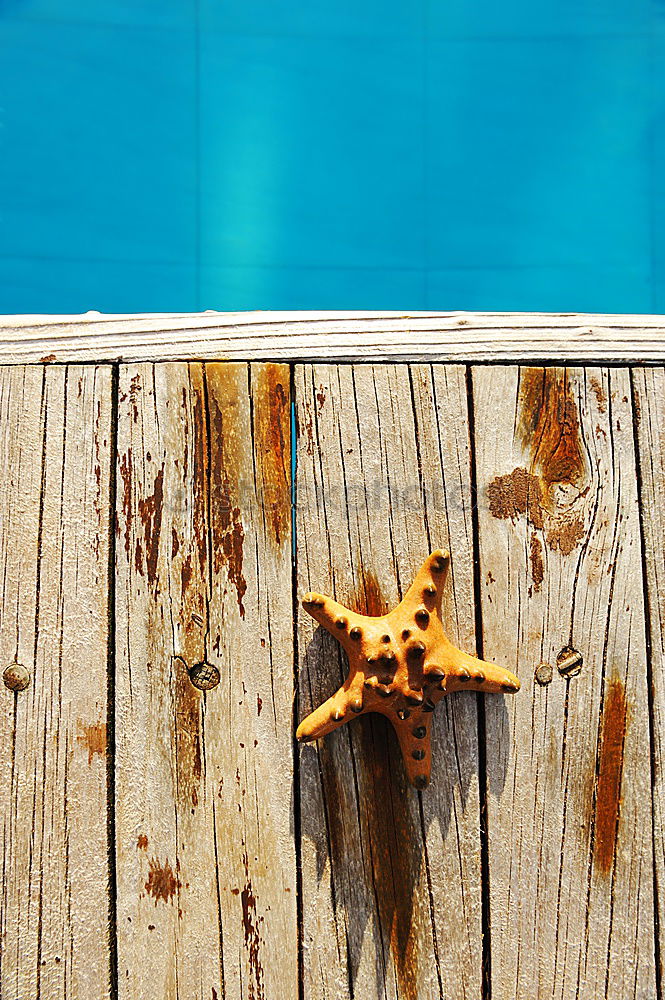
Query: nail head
x=16, y=677
x=544, y=673
x=204, y=676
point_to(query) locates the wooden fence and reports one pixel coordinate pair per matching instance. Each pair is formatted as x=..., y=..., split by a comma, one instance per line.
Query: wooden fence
x=169, y=487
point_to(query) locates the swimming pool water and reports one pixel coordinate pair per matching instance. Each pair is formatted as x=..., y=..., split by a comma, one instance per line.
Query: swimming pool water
x=335, y=154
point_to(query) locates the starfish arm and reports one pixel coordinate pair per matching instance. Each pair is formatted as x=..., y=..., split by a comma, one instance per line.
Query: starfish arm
x=415, y=743
x=333, y=616
x=427, y=588
x=344, y=704
x=466, y=672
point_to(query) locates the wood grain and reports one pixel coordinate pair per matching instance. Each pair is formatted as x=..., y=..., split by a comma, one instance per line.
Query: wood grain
x=333, y=336
x=54, y=495
x=649, y=415
x=569, y=805
x=205, y=841
x=390, y=881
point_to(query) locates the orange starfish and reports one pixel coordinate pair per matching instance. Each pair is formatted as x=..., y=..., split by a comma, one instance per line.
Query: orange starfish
x=400, y=665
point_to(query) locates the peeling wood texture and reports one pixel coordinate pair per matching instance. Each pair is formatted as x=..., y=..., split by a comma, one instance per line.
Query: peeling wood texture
x=333, y=336
x=569, y=797
x=391, y=890
x=55, y=444
x=649, y=411
x=204, y=780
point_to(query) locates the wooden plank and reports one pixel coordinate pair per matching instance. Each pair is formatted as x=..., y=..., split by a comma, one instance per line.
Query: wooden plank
x=649, y=411
x=205, y=842
x=333, y=336
x=390, y=880
x=54, y=550
x=569, y=801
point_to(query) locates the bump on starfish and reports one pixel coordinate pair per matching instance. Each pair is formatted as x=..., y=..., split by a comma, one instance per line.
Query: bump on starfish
x=400, y=665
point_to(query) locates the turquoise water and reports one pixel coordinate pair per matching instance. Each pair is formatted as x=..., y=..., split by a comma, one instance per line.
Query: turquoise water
x=334, y=154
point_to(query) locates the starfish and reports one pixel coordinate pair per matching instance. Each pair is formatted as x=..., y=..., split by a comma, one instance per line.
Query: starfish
x=400, y=665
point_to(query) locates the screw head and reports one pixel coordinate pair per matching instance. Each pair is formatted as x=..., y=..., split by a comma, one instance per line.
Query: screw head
x=204, y=676
x=569, y=662
x=16, y=677
x=544, y=673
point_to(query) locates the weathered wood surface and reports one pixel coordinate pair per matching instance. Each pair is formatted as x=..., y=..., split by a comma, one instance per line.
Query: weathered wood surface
x=204, y=781
x=333, y=336
x=212, y=814
x=649, y=414
x=391, y=881
x=569, y=797
x=54, y=542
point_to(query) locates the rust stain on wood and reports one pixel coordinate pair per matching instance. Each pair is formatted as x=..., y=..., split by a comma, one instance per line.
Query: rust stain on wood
x=599, y=392
x=272, y=423
x=516, y=494
x=567, y=535
x=228, y=541
x=610, y=770
x=536, y=555
x=200, y=469
x=142, y=842
x=226, y=433
x=150, y=513
x=185, y=573
x=162, y=883
x=126, y=476
x=548, y=426
x=188, y=736
x=309, y=427
x=550, y=492
x=135, y=388
x=93, y=738
x=251, y=922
